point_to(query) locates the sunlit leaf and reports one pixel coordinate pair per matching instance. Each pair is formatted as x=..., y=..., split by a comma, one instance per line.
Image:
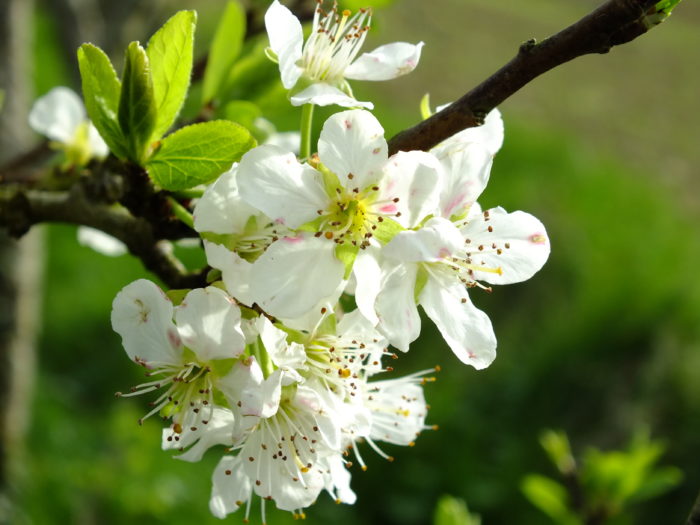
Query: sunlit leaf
x=137, y=107
x=101, y=91
x=170, y=52
x=197, y=154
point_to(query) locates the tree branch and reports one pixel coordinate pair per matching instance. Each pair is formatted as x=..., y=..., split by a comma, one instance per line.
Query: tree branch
x=21, y=208
x=615, y=22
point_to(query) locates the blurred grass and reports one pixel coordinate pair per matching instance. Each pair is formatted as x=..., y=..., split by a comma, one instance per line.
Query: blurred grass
x=603, y=340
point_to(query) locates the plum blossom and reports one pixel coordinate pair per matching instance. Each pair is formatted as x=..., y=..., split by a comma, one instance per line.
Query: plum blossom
x=351, y=199
x=60, y=116
x=184, y=357
x=460, y=247
x=316, y=70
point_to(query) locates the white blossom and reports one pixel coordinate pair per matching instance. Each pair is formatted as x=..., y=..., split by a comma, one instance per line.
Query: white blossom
x=60, y=116
x=458, y=248
x=316, y=70
x=334, y=207
x=183, y=348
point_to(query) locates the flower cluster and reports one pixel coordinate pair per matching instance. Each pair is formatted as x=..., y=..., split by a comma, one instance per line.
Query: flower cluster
x=265, y=362
x=287, y=403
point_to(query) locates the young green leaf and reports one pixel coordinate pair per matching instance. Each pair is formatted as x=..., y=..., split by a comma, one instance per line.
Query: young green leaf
x=550, y=497
x=197, y=154
x=224, y=50
x=170, y=52
x=453, y=511
x=101, y=91
x=137, y=107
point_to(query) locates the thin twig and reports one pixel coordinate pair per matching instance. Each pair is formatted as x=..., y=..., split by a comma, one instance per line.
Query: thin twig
x=615, y=22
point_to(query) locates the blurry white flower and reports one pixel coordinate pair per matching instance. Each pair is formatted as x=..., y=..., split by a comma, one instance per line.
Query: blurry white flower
x=101, y=242
x=60, y=116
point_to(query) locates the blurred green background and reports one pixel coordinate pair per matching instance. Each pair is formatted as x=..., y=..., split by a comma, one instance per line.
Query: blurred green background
x=605, y=340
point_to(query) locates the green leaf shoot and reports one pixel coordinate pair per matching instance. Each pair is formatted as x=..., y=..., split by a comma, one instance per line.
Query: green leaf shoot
x=137, y=107
x=224, y=50
x=453, y=511
x=197, y=154
x=101, y=92
x=550, y=497
x=170, y=53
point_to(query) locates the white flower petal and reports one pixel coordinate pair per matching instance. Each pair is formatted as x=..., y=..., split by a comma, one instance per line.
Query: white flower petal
x=396, y=308
x=435, y=241
x=98, y=147
x=231, y=487
x=142, y=316
x=489, y=134
x=273, y=181
x=311, y=319
x=338, y=480
x=270, y=393
x=221, y=209
x=352, y=144
x=217, y=431
x=58, y=114
x=466, y=168
x=287, y=140
x=284, y=355
x=520, y=238
x=322, y=94
x=286, y=40
x=294, y=274
x=466, y=329
x=414, y=178
x=398, y=411
x=209, y=324
x=386, y=62
x=368, y=274
x=101, y=242
x=241, y=387
x=235, y=271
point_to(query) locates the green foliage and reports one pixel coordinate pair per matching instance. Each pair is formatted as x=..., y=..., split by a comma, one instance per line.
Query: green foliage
x=453, y=511
x=660, y=12
x=101, y=91
x=170, y=51
x=614, y=479
x=225, y=48
x=550, y=497
x=137, y=105
x=133, y=115
x=605, y=485
x=556, y=445
x=197, y=154
x=666, y=6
